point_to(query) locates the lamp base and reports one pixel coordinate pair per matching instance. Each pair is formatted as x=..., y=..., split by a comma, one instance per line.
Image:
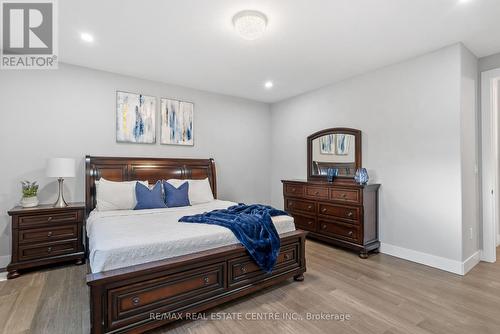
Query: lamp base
x=60, y=203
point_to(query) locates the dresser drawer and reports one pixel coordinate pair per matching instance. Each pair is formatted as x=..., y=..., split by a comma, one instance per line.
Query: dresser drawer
x=317, y=192
x=294, y=190
x=339, y=230
x=300, y=205
x=244, y=268
x=345, y=195
x=344, y=212
x=36, y=251
x=163, y=293
x=48, y=234
x=49, y=219
x=304, y=222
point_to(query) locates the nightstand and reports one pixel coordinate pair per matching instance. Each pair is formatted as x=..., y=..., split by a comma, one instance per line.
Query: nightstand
x=46, y=235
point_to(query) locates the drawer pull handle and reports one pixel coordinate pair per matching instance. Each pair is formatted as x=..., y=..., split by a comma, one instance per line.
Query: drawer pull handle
x=309, y=207
x=49, y=234
x=349, y=213
x=323, y=226
x=344, y=195
x=206, y=280
x=309, y=223
x=290, y=203
x=136, y=300
x=316, y=193
x=293, y=190
x=350, y=233
x=243, y=268
x=49, y=219
x=324, y=210
x=287, y=257
x=49, y=249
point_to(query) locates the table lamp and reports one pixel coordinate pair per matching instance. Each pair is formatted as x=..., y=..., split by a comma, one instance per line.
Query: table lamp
x=60, y=168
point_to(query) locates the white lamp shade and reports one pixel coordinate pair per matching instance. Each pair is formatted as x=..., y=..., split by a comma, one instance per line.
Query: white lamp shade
x=61, y=167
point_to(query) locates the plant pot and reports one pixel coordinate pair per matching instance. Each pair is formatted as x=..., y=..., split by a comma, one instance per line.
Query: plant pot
x=29, y=202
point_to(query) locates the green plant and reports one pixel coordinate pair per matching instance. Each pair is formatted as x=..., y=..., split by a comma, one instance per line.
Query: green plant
x=30, y=189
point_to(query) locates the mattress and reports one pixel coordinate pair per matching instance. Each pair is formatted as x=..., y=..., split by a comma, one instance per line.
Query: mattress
x=125, y=238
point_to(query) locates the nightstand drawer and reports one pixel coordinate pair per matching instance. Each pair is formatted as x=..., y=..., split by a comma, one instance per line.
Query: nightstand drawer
x=47, y=250
x=45, y=219
x=48, y=234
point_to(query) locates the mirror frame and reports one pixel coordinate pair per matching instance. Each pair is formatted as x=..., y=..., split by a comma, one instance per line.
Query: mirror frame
x=357, y=156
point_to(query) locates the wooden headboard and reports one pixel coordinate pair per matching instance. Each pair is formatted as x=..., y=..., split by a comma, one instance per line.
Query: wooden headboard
x=151, y=169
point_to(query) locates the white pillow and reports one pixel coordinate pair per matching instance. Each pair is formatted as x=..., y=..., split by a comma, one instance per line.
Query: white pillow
x=199, y=190
x=116, y=195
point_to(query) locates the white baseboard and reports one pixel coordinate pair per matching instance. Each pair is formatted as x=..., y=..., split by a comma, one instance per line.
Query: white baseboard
x=471, y=262
x=4, y=261
x=452, y=266
x=498, y=240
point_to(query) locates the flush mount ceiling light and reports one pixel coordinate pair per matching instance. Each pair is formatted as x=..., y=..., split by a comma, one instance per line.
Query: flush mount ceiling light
x=268, y=84
x=250, y=24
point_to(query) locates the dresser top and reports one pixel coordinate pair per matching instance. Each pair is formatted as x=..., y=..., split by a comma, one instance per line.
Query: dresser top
x=333, y=184
x=18, y=210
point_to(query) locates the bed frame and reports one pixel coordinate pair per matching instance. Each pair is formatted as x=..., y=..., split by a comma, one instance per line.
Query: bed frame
x=142, y=297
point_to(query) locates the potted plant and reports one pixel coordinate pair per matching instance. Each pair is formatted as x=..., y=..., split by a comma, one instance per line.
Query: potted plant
x=30, y=190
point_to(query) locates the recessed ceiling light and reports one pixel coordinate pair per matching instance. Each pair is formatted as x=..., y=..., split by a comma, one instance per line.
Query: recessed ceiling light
x=268, y=84
x=250, y=24
x=86, y=37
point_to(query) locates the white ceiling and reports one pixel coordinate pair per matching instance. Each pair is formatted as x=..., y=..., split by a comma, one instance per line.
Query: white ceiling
x=308, y=44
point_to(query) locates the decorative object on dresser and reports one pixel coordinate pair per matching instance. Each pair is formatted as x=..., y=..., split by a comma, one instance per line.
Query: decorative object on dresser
x=361, y=176
x=122, y=300
x=61, y=168
x=30, y=190
x=46, y=235
x=341, y=212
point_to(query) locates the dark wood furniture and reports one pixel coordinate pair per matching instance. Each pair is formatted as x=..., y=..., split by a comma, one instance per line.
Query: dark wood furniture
x=344, y=214
x=46, y=235
x=122, y=300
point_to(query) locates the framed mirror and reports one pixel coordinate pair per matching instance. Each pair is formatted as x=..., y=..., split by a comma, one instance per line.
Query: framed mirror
x=335, y=148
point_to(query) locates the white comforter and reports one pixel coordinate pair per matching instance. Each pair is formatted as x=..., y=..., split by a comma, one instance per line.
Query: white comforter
x=124, y=238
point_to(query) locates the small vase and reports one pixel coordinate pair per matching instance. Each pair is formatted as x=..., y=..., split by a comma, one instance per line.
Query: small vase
x=361, y=176
x=331, y=173
x=29, y=202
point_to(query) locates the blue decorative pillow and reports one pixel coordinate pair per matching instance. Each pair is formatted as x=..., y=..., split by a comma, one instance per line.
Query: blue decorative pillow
x=175, y=197
x=149, y=199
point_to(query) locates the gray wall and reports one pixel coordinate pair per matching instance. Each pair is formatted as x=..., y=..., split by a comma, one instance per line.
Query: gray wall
x=411, y=121
x=70, y=112
x=469, y=149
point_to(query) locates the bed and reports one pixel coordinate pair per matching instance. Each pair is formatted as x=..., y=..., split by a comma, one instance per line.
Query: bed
x=178, y=269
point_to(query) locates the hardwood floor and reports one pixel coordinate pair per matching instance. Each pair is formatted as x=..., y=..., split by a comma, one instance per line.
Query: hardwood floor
x=382, y=294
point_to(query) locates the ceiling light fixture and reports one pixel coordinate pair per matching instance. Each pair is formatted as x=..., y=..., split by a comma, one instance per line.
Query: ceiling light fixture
x=86, y=37
x=250, y=24
x=269, y=84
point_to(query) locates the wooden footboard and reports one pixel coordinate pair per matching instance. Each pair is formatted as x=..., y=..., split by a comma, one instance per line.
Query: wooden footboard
x=139, y=298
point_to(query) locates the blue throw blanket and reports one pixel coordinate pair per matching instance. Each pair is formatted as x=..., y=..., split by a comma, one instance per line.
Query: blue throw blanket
x=252, y=226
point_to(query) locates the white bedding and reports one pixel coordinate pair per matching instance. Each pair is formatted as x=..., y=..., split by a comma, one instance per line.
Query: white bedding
x=124, y=238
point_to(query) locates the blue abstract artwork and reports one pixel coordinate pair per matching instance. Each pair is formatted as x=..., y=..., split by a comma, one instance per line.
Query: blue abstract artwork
x=176, y=122
x=135, y=118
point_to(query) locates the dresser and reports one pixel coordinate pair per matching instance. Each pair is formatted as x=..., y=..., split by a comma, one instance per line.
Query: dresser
x=46, y=235
x=343, y=214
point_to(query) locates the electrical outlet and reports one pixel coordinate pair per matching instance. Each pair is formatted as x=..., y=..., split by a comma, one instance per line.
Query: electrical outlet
x=471, y=233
